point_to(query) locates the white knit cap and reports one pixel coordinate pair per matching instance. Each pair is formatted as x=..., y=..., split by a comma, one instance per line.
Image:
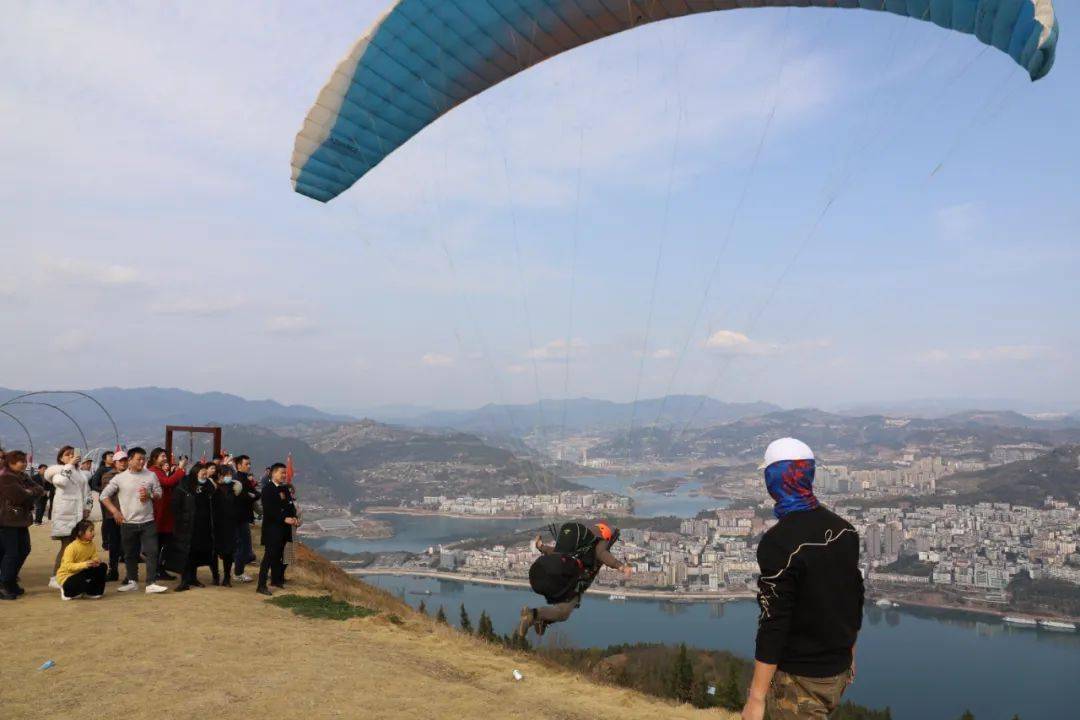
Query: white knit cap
x=786, y=449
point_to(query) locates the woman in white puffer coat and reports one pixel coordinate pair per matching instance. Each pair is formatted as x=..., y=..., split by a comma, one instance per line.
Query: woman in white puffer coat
x=71, y=503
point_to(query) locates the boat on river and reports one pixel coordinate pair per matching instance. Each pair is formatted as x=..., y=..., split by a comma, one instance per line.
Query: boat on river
x=1021, y=621
x=1057, y=625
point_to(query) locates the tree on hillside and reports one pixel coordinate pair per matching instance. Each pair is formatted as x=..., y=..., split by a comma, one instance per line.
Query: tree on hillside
x=682, y=676
x=728, y=695
x=440, y=616
x=699, y=693
x=516, y=642
x=466, y=624
x=484, y=628
x=422, y=607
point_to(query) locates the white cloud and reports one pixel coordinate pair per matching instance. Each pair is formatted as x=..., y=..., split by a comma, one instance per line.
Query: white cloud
x=663, y=354
x=91, y=272
x=730, y=342
x=289, y=325
x=558, y=350
x=997, y=353
x=437, y=360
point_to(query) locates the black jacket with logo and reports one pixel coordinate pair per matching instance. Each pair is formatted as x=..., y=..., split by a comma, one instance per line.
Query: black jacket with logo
x=810, y=594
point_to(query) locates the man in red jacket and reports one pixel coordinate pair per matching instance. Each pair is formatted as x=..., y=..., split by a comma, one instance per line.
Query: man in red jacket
x=169, y=478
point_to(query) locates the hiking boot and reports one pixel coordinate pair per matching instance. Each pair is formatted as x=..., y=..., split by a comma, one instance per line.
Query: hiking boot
x=528, y=619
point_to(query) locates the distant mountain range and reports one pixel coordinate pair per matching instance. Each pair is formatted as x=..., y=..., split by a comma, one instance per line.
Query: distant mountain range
x=140, y=413
x=588, y=415
x=942, y=407
x=746, y=438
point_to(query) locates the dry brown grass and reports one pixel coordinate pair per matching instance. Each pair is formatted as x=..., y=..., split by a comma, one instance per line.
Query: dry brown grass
x=224, y=653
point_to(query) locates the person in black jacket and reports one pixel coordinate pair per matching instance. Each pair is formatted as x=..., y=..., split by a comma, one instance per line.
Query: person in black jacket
x=810, y=594
x=245, y=516
x=193, y=540
x=43, y=500
x=279, y=518
x=226, y=497
x=18, y=494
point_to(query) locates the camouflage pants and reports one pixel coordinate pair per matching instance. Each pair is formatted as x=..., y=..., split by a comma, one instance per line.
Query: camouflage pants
x=794, y=697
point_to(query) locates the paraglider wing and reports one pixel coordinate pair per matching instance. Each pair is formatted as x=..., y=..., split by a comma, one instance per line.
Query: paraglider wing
x=425, y=57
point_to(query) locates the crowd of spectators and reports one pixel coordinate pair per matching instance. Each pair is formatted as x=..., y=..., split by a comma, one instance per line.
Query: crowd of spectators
x=148, y=510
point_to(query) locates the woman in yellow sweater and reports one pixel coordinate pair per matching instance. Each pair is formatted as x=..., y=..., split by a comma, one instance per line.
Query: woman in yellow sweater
x=81, y=571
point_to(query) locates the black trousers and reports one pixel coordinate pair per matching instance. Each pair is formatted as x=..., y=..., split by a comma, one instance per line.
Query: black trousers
x=14, y=547
x=90, y=581
x=111, y=539
x=272, y=564
x=39, y=508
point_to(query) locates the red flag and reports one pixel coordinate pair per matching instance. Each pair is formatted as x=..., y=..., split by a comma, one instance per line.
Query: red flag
x=289, y=470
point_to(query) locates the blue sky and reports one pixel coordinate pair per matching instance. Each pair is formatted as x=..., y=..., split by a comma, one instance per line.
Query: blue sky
x=157, y=241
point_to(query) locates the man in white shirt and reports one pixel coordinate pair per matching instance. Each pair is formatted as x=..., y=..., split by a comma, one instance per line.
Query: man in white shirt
x=135, y=490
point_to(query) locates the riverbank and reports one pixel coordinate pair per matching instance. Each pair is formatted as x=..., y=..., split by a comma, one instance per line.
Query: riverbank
x=985, y=611
x=420, y=512
x=505, y=582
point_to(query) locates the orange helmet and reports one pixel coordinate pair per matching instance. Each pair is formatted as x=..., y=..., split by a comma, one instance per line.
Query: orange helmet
x=605, y=531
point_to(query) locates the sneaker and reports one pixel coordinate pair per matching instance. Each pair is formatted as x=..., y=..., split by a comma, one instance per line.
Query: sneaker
x=154, y=588
x=528, y=617
x=182, y=587
x=264, y=591
x=18, y=590
x=128, y=586
x=93, y=597
x=113, y=576
x=53, y=585
x=245, y=578
x=65, y=597
x=163, y=575
x=6, y=594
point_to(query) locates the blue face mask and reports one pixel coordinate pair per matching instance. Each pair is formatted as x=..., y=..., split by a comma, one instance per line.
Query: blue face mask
x=202, y=481
x=791, y=486
x=227, y=479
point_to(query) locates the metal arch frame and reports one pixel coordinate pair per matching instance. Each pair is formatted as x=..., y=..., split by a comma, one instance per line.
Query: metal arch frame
x=91, y=398
x=19, y=422
x=85, y=444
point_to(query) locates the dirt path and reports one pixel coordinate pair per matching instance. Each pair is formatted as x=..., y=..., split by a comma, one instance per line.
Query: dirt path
x=224, y=653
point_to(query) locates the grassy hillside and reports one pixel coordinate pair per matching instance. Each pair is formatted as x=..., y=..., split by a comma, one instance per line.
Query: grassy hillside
x=229, y=653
